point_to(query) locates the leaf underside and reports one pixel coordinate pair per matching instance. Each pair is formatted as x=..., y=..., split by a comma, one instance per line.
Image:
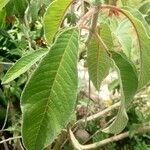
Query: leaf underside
x=48, y=99
x=129, y=83
x=97, y=58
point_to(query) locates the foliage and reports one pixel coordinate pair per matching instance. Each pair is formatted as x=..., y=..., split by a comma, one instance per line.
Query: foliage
x=41, y=45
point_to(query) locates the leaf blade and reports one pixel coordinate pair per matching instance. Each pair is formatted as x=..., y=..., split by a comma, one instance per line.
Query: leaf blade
x=22, y=65
x=53, y=17
x=52, y=90
x=97, y=58
x=3, y=3
x=144, y=42
x=129, y=85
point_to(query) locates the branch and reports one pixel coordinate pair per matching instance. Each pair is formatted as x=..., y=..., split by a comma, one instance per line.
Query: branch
x=115, y=138
x=89, y=14
x=74, y=141
x=100, y=114
x=10, y=139
x=5, y=144
x=6, y=117
x=95, y=19
x=6, y=63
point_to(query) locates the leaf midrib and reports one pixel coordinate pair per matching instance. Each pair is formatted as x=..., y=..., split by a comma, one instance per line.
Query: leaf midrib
x=97, y=72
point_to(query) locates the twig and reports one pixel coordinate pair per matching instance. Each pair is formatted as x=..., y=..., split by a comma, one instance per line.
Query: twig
x=115, y=138
x=13, y=120
x=74, y=141
x=74, y=130
x=94, y=25
x=110, y=121
x=102, y=113
x=95, y=18
x=5, y=144
x=99, y=130
x=88, y=103
x=10, y=139
x=4, y=124
x=6, y=117
x=93, y=30
x=6, y=63
x=100, y=40
x=82, y=8
x=89, y=14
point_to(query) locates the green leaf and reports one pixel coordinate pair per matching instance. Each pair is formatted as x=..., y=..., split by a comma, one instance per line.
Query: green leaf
x=129, y=83
x=124, y=38
x=4, y=33
x=54, y=17
x=49, y=97
x=9, y=8
x=22, y=65
x=144, y=42
x=97, y=58
x=3, y=3
x=2, y=17
x=97, y=2
x=137, y=14
x=36, y=7
x=20, y=7
x=145, y=7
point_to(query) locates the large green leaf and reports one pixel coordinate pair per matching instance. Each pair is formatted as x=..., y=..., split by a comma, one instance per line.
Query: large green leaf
x=48, y=99
x=97, y=58
x=22, y=65
x=3, y=3
x=54, y=17
x=144, y=46
x=129, y=84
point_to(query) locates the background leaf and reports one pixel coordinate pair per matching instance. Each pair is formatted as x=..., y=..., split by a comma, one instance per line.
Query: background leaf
x=137, y=14
x=97, y=58
x=53, y=17
x=20, y=7
x=49, y=97
x=124, y=38
x=22, y=65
